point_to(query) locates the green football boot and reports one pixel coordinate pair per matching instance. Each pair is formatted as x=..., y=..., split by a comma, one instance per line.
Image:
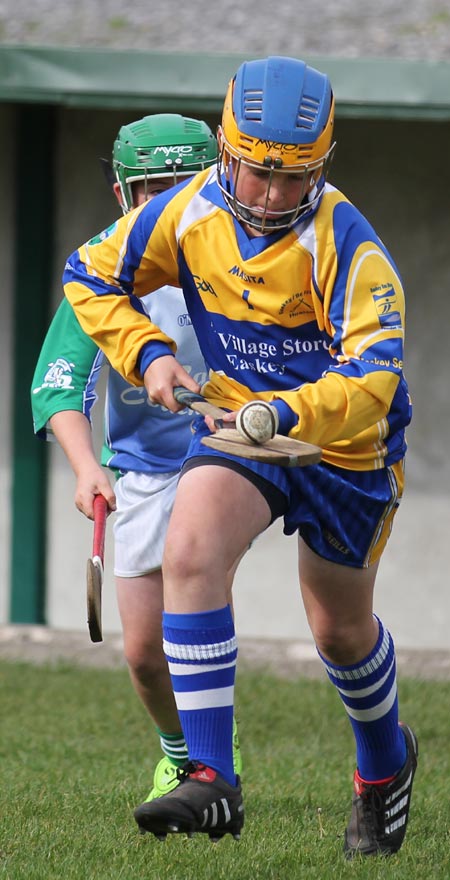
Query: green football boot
x=237, y=757
x=164, y=779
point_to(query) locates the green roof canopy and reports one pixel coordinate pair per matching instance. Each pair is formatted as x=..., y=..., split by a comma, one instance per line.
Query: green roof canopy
x=153, y=81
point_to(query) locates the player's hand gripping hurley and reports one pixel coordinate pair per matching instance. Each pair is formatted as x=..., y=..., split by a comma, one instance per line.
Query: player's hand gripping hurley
x=255, y=419
x=94, y=572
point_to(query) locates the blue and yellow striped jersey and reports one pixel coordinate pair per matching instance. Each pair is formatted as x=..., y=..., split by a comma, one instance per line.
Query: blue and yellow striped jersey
x=311, y=318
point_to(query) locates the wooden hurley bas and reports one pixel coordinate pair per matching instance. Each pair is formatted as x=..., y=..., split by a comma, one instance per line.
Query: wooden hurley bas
x=280, y=450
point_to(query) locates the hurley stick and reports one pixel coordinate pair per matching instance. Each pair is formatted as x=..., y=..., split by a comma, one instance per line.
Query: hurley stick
x=94, y=571
x=280, y=450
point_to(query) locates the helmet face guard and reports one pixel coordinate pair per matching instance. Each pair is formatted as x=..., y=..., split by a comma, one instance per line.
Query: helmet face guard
x=278, y=117
x=165, y=146
x=266, y=221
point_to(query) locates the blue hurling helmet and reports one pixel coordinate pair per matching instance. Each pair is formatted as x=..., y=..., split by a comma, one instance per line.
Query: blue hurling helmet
x=278, y=115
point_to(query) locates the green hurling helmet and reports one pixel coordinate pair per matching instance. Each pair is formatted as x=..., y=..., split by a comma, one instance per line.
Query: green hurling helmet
x=163, y=146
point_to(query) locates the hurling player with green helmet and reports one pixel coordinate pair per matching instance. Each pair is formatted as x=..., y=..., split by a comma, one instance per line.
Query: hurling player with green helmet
x=158, y=152
x=144, y=443
x=297, y=304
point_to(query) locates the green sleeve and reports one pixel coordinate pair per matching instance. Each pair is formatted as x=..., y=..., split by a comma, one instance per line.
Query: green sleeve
x=66, y=372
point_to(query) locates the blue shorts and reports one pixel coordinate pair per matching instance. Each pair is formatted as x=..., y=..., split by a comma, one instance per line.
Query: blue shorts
x=344, y=516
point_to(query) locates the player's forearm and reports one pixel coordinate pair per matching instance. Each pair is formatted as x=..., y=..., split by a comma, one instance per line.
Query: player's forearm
x=117, y=328
x=73, y=432
x=338, y=408
x=107, y=304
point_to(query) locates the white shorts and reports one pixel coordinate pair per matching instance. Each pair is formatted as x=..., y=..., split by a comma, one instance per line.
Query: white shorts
x=144, y=505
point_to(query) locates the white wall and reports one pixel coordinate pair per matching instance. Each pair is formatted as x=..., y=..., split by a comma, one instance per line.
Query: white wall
x=413, y=594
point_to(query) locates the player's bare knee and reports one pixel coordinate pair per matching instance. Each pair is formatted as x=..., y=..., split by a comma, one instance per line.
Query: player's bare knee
x=183, y=560
x=341, y=644
x=146, y=662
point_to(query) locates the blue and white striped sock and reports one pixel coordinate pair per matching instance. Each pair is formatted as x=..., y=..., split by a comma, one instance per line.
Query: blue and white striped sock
x=201, y=653
x=369, y=693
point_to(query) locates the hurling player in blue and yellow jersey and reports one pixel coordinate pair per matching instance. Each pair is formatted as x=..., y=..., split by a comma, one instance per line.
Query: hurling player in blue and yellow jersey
x=297, y=302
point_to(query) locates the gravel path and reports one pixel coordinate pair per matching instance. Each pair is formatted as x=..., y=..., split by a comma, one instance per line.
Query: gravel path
x=419, y=29
x=287, y=659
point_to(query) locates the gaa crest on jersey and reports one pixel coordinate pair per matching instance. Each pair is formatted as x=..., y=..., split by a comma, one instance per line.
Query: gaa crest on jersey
x=59, y=375
x=97, y=239
x=386, y=306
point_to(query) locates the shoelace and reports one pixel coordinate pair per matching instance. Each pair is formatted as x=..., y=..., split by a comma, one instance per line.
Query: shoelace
x=373, y=806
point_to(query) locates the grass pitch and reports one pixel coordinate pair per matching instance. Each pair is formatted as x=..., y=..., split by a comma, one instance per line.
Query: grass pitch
x=77, y=755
